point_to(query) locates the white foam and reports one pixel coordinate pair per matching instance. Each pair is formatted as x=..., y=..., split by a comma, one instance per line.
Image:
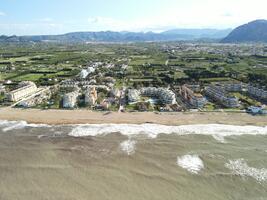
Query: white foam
x=240, y=167
x=191, y=163
x=219, y=138
x=153, y=130
x=128, y=146
x=14, y=125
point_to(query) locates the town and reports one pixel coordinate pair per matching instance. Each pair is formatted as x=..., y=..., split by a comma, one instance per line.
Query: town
x=156, y=77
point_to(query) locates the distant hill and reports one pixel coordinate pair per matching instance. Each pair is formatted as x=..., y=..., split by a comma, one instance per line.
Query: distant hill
x=255, y=31
x=201, y=33
x=110, y=36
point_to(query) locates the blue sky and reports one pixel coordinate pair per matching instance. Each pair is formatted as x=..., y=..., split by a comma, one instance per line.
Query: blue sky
x=30, y=17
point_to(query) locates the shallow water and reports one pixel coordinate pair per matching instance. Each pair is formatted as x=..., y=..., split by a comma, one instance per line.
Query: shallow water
x=47, y=163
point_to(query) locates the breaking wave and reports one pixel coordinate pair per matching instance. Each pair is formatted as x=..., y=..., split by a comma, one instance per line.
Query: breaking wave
x=153, y=130
x=191, y=163
x=241, y=168
x=15, y=125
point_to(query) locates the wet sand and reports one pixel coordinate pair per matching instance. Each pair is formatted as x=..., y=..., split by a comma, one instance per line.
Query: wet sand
x=59, y=117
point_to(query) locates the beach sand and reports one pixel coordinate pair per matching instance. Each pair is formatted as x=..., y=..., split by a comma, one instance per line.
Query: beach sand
x=58, y=117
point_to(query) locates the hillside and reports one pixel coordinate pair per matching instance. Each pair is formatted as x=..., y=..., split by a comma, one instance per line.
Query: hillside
x=255, y=31
x=110, y=36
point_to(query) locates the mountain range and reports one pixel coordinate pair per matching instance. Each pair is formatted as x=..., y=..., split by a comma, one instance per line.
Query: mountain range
x=255, y=31
x=110, y=36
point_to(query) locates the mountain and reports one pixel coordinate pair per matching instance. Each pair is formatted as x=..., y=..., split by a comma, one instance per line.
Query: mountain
x=110, y=36
x=255, y=31
x=201, y=33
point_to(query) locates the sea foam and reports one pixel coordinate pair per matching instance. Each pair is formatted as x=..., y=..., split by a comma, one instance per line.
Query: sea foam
x=128, y=146
x=191, y=163
x=15, y=125
x=153, y=130
x=241, y=168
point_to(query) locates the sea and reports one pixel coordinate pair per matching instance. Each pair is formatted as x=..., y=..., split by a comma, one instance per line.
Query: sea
x=132, y=162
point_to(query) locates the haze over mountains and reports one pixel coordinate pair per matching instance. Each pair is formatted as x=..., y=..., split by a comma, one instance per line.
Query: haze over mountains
x=110, y=36
x=255, y=31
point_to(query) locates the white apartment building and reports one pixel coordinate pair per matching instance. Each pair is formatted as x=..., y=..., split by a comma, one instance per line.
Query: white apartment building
x=26, y=89
x=219, y=94
x=70, y=99
x=166, y=96
x=233, y=87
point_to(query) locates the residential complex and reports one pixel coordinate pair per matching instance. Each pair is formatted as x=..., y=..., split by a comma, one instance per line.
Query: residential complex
x=218, y=93
x=194, y=98
x=164, y=95
x=25, y=89
x=257, y=92
x=232, y=86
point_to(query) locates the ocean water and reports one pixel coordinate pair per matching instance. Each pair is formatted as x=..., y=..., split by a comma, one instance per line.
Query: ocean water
x=133, y=162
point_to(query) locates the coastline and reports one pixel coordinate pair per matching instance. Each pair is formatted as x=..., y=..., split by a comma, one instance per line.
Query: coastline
x=61, y=117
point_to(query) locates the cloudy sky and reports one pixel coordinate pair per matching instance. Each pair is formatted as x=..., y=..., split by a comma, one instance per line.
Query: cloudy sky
x=30, y=17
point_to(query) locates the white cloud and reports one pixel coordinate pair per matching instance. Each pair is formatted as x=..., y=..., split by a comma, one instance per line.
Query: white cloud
x=31, y=28
x=192, y=14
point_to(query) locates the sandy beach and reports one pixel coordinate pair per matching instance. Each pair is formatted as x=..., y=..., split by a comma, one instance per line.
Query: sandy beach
x=58, y=117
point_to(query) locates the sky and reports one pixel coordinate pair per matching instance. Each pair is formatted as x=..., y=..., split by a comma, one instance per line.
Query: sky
x=38, y=17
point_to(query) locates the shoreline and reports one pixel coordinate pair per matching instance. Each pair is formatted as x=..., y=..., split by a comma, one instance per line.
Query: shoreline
x=72, y=117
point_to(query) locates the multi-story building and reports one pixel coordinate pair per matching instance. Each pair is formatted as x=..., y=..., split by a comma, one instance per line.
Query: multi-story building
x=70, y=99
x=219, y=94
x=133, y=95
x=232, y=86
x=90, y=96
x=257, y=92
x=165, y=96
x=25, y=89
x=195, y=99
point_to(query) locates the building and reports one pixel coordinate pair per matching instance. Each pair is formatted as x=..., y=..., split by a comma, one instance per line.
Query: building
x=90, y=96
x=133, y=95
x=70, y=99
x=233, y=86
x=219, y=94
x=2, y=88
x=43, y=95
x=26, y=88
x=257, y=92
x=165, y=96
x=195, y=99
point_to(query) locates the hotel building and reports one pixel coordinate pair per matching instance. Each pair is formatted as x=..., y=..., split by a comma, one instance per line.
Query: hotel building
x=25, y=89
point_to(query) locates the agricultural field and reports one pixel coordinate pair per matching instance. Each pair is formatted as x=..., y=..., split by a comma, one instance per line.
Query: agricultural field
x=133, y=65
